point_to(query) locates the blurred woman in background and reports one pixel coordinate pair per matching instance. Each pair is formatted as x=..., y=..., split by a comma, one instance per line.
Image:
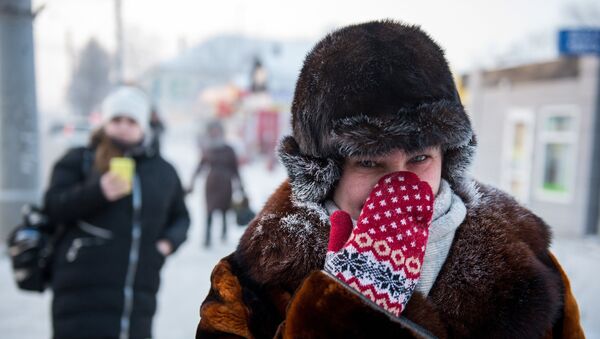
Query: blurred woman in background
x=120, y=223
x=221, y=160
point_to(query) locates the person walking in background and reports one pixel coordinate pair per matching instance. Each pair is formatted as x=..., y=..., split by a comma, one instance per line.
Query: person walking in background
x=123, y=214
x=222, y=164
x=157, y=127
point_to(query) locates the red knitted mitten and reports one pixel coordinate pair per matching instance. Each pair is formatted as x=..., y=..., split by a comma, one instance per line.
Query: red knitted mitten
x=383, y=256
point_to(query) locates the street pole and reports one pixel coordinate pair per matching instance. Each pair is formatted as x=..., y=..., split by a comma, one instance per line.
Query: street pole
x=119, y=55
x=19, y=155
x=593, y=217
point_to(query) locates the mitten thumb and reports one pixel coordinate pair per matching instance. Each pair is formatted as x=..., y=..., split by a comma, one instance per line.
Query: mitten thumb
x=341, y=227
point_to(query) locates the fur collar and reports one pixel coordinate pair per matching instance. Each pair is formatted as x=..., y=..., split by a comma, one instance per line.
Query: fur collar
x=497, y=277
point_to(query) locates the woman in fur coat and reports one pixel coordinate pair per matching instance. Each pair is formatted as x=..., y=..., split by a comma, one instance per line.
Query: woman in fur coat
x=379, y=231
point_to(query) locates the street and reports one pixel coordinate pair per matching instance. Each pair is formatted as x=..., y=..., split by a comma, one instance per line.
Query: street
x=185, y=278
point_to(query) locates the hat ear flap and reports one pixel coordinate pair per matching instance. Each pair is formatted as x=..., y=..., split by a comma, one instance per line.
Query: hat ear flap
x=455, y=169
x=311, y=178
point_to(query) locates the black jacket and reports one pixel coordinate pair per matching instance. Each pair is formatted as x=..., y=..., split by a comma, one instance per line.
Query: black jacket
x=106, y=268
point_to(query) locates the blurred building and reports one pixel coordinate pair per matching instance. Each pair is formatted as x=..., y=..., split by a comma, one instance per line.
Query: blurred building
x=538, y=129
x=177, y=84
x=247, y=83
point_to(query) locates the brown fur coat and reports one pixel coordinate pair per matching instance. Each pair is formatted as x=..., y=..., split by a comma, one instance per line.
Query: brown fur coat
x=499, y=280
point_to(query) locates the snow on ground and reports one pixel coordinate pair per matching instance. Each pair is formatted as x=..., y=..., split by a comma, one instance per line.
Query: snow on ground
x=580, y=259
x=185, y=277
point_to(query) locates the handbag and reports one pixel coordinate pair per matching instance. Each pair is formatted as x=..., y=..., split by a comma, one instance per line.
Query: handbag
x=30, y=247
x=31, y=243
x=243, y=212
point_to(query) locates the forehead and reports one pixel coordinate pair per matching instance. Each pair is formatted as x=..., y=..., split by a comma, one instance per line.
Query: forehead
x=402, y=153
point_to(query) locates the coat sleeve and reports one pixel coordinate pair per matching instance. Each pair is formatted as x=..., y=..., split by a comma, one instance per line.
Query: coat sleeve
x=70, y=196
x=223, y=313
x=321, y=307
x=569, y=325
x=178, y=221
x=201, y=165
x=234, y=164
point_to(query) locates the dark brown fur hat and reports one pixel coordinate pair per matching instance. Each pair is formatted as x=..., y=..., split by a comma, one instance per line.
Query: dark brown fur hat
x=365, y=90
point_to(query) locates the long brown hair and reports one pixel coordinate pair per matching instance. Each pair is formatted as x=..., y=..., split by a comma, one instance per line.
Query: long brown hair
x=105, y=150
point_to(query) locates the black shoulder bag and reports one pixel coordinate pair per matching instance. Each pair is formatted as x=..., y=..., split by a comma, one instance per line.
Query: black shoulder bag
x=31, y=243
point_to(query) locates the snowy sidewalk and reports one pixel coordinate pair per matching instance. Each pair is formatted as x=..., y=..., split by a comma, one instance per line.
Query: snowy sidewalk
x=580, y=259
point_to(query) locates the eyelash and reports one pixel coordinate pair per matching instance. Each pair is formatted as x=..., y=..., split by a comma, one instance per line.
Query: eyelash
x=367, y=163
x=414, y=159
x=372, y=164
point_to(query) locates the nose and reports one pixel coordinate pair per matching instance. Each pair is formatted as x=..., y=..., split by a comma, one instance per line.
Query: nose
x=397, y=161
x=397, y=166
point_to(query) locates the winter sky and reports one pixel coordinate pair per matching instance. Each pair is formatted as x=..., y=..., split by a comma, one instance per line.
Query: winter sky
x=471, y=31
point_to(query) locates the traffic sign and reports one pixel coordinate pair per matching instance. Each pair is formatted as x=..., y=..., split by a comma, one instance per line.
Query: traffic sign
x=579, y=41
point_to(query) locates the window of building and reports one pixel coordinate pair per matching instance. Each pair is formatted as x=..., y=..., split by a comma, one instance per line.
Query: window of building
x=517, y=153
x=557, y=146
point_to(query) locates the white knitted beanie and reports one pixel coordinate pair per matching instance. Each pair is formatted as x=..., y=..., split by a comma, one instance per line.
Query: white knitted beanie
x=127, y=101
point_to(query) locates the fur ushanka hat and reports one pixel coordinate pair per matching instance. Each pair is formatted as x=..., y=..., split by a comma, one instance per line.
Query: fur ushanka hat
x=365, y=90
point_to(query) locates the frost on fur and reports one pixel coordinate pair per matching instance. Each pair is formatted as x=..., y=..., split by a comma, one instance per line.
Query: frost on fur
x=440, y=123
x=311, y=178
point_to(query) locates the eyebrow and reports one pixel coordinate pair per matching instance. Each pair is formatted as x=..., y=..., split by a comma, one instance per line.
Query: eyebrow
x=427, y=149
x=422, y=150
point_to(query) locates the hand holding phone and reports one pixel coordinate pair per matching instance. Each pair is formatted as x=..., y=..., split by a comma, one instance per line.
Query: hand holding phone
x=117, y=182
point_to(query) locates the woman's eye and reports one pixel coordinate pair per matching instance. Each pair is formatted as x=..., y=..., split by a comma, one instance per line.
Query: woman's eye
x=419, y=158
x=367, y=163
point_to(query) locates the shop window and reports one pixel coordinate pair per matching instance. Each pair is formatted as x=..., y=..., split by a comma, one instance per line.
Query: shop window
x=558, y=154
x=517, y=153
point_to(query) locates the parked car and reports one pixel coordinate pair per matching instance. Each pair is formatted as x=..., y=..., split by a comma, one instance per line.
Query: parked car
x=72, y=131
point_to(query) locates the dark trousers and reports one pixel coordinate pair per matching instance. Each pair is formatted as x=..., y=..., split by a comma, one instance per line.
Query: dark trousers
x=209, y=219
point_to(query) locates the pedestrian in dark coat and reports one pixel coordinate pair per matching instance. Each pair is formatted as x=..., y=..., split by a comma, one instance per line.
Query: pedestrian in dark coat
x=117, y=234
x=222, y=164
x=379, y=232
x=157, y=128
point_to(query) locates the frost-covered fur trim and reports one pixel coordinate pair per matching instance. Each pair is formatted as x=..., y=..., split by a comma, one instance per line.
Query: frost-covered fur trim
x=287, y=239
x=456, y=166
x=440, y=123
x=311, y=178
